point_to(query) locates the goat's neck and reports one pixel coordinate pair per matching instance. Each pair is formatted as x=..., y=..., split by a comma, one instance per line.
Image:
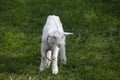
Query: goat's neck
x=50, y=44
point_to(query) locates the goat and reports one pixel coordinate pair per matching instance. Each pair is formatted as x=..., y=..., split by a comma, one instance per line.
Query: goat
x=53, y=40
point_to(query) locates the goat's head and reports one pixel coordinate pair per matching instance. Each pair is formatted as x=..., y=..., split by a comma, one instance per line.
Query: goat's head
x=58, y=38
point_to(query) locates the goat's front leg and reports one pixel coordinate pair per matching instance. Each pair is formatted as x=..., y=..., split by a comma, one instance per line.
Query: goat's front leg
x=45, y=63
x=63, y=54
x=55, y=60
x=43, y=60
x=48, y=55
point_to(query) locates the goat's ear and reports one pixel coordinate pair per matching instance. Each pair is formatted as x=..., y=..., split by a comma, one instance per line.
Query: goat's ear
x=67, y=33
x=52, y=35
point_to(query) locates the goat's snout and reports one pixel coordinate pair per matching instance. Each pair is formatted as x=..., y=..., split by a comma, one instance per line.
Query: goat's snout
x=58, y=45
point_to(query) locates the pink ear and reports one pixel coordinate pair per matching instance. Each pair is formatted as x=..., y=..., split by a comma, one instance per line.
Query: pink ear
x=67, y=33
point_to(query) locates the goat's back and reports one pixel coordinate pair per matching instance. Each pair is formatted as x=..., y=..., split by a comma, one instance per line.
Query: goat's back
x=53, y=23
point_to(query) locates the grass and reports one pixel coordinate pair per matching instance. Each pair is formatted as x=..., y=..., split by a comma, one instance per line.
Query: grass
x=93, y=52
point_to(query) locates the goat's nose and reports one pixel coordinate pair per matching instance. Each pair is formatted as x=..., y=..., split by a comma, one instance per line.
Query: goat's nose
x=59, y=45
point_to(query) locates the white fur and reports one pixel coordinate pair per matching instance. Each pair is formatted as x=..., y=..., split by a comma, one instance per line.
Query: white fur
x=53, y=30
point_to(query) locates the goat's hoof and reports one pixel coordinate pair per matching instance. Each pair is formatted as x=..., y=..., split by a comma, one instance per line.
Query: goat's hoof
x=55, y=72
x=48, y=65
x=63, y=62
x=41, y=69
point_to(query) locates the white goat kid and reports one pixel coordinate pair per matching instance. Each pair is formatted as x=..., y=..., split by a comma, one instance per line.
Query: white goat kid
x=53, y=40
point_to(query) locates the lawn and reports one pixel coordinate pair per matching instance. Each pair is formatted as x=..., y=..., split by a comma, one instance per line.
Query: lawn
x=93, y=52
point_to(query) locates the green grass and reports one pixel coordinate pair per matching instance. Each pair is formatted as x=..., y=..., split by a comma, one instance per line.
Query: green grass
x=93, y=52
